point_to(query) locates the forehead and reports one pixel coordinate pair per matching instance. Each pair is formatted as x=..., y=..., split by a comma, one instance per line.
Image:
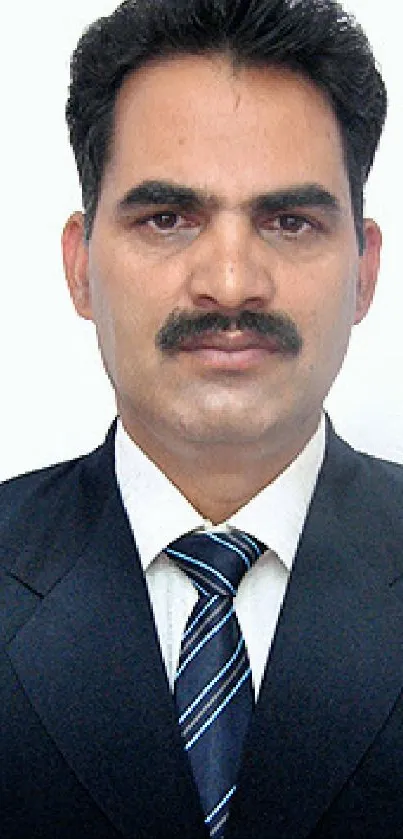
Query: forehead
x=232, y=132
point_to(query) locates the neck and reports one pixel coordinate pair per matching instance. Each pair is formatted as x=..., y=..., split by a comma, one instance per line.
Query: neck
x=219, y=480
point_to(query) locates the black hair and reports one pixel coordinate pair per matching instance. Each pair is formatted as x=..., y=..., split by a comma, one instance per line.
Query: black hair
x=314, y=37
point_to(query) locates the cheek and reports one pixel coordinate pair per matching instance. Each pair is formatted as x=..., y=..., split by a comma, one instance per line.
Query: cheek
x=128, y=314
x=117, y=294
x=324, y=294
x=138, y=289
x=321, y=300
x=328, y=328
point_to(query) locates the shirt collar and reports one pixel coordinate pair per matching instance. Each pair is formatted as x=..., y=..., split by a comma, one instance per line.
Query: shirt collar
x=158, y=512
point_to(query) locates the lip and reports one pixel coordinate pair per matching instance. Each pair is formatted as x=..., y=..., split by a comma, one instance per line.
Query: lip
x=230, y=342
x=230, y=350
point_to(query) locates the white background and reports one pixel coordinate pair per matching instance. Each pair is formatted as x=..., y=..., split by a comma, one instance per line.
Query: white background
x=55, y=399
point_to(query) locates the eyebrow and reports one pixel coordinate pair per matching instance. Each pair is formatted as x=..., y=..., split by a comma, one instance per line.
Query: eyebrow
x=166, y=193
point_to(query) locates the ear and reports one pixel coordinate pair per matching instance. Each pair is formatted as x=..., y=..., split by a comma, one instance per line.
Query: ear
x=368, y=269
x=75, y=260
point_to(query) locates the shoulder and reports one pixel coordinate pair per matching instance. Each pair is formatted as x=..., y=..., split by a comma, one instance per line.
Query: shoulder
x=65, y=496
x=364, y=495
x=44, y=482
x=37, y=491
x=380, y=489
x=361, y=480
x=373, y=474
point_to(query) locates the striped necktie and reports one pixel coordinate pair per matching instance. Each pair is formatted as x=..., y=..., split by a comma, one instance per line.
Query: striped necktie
x=213, y=686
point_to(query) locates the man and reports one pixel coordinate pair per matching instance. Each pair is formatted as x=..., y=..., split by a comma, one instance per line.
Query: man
x=224, y=259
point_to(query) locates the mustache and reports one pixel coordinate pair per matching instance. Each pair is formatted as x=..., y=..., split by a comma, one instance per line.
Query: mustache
x=180, y=326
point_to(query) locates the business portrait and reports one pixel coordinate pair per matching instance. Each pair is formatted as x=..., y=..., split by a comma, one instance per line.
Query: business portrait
x=202, y=614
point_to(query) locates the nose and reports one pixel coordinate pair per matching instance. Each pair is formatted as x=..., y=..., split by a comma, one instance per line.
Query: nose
x=230, y=267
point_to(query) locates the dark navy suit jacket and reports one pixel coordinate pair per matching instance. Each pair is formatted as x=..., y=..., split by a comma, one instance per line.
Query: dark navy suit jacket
x=89, y=742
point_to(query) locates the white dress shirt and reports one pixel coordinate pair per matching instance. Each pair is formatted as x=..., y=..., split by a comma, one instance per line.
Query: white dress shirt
x=158, y=514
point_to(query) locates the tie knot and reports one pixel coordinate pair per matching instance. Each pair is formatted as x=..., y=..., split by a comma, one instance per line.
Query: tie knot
x=215, y=561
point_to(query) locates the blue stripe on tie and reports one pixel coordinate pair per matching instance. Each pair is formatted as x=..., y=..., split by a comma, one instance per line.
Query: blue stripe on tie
x=192, y=561
x=219, y=710
x=211, y=684
x=228, y=545
x=204, y=641
x=196, y=620
x=253, y=543
x=219, y=807
x=199, y=587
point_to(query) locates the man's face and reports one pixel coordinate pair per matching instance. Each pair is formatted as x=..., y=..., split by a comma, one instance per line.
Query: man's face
x=226, y=192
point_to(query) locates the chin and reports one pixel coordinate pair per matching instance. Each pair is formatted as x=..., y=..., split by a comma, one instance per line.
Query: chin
x=228, y=428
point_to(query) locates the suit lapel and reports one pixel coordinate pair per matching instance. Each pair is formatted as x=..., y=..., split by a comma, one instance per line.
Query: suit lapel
x=91, y=666
x=335, y=669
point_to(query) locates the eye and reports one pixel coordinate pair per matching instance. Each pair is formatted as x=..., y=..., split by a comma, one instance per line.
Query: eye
x=289, y=225
x=168, y=222
x=164, y=221
x=292, y=224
